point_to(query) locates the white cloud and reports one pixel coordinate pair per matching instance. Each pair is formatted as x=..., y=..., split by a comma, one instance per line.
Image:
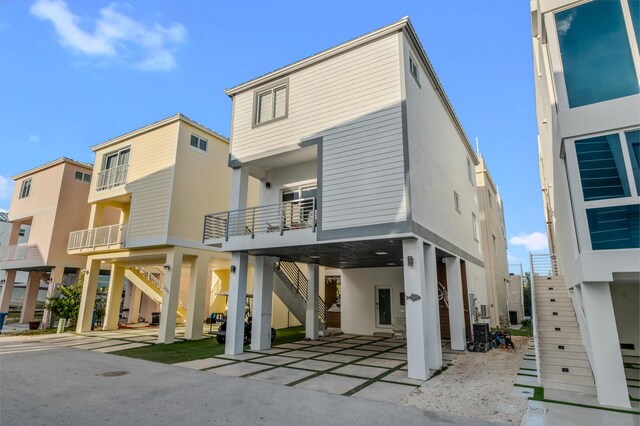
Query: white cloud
x=6, y=188
x=564, y=24
x=533, y=242
x=34, y=138
x=115, y=36
x=512, y=259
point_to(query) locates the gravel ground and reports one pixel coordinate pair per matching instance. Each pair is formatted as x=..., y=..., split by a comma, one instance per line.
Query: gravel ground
x=477, y=385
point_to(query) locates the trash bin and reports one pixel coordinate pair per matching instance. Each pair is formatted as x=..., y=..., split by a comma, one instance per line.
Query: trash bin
x=33, y=325
x=2, y=315
x=155, y=318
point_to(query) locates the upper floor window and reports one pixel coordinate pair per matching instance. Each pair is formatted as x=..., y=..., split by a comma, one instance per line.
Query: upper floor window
x=470, y=171
x=115, y=168
x=596, y=54
x=199, y=143
x=414, y=70
x=25, y=189
x=474, y=223
x=456, y=201
x=602, y=171
x=490, y=202
x=271, y=104
x=82, y=177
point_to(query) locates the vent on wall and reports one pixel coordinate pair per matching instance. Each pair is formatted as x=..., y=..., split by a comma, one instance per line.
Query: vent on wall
x=484, y=312
x=629, y=346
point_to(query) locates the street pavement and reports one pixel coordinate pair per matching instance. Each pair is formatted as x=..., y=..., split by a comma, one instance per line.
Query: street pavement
x=41, y=384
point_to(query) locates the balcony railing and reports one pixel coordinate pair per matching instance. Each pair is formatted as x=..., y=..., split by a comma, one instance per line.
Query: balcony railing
x=93, y=238
x=545, y=265
x=17, y=252
x=112, y=177
x=286, y=216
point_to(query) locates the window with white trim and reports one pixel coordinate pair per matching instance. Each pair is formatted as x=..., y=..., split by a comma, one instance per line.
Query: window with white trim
x=470, y=172
x=414, y=70
x=271, y=104
x=25, y=189
x=82, y=177
x=199, y=143
x=456, y=201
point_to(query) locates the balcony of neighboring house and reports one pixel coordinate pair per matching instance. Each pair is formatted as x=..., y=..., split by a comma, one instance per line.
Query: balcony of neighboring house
x=111, y=180
x=20, y=256
x=96, y=240
x=290, y=222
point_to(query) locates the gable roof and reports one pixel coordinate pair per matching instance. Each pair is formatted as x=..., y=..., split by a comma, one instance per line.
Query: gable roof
x=52, y=164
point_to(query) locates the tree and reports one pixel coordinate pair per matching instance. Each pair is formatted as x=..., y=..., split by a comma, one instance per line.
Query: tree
x=67, y=304
x=526, y=293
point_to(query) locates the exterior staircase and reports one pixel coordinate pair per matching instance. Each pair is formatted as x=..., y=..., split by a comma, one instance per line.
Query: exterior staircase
x=563, y=361
x=149, y=281
x=291, y=286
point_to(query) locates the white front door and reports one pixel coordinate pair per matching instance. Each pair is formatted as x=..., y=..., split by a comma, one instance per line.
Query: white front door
x=383, y=307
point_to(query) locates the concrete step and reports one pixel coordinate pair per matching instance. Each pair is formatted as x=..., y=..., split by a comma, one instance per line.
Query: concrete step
x=556, y=316
x=572, y=371
x=559, y=301
x=546, y=346
x=565, y=362
x=551, y=328
x=560, y=340
x=567, y=379
x=589, y=390
x=552, y=334
x=547, y=353
x=556, y=322
x=546, y=309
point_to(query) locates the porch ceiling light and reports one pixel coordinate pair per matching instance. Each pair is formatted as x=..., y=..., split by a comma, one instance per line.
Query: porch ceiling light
x=314, y=257
x=391, y=264
x=381, y=253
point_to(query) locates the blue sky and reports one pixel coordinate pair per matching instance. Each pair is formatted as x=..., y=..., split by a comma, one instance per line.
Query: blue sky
x=76, y=73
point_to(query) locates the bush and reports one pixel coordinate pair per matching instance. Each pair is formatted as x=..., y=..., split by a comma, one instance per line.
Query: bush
x=67, y=305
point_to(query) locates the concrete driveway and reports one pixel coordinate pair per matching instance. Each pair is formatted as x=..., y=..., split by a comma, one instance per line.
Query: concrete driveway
x=65, y=386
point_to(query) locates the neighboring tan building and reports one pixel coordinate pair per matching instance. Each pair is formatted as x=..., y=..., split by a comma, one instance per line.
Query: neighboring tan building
x=586, y=72
x=361, y=163
x=48, y=202
x=494, y=247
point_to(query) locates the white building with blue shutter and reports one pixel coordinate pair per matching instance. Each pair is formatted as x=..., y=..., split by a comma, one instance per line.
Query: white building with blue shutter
x=587, y=68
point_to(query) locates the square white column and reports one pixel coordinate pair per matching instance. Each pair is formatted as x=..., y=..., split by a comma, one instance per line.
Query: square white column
x=114, y=298
x=239, y=188
x=134, y=304
x=88, y=301
x=312, y=323
x=416, y=306
x=262, y=302
x=456, y=304
x=197, y=291
x=432, y=324
x=55, y=278
x=170, y=297
x=606, y=357
x=7, y=290
x=237, y=295
x=30, y=297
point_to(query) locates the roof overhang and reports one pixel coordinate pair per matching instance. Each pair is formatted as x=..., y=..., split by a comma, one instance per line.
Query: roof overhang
x=52, y=164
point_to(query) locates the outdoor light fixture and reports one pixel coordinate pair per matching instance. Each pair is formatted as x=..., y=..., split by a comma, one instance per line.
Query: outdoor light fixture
x=410, y=260
x=314, y=257
x=268, y=185
x=233, y=269
x=167, y=267
x=391, y=264
x=380, y=253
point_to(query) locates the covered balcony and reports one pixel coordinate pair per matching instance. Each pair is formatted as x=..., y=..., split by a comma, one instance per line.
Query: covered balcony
x=20, y=255
x=281, y=223
x=112, y=177
x=100, y=239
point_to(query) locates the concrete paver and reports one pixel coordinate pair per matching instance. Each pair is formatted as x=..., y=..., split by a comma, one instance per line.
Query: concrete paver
x=385, y=392
x=239, y=369
x=360, y=371
x=282, y=375
x=201, y=364
x=330, y=383
x=312, y=364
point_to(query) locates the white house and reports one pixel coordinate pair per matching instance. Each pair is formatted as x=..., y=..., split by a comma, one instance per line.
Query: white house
x=586, y=70
x=363, y=167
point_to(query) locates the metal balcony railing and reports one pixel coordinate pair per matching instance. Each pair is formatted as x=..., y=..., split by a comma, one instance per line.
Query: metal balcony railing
x=286, y=216
x=17, y=252
x=92, y=238
x=300, y=283
x=544, y=265
x=112, y=177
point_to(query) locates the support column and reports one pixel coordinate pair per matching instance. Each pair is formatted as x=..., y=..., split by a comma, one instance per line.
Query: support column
x=55, y=279
x=456, y=304
x=134, y=304
x=237, y=295
x=606, y=357
x=262, y=298
x=239, y=188
x=434, y=339
x=30, y=297
x=88, y=301
x=197, y=291
x=170, y=297
x=414, y=275
x=7, y=290
x=312, y=323
x=114, y=298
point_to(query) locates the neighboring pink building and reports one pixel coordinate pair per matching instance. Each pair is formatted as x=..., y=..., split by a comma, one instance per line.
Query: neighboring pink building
x=52, y=200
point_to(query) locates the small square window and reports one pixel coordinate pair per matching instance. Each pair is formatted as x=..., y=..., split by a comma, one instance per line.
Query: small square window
x=79, y=175
x=271, y=104
x=22, y=232
x=82, y=177
x=414, y=70
x=198, y=143
x=456, y=201
x=25, y=189
x=86, y=178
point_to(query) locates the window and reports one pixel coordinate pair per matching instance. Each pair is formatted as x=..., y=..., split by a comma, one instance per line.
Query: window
x=198, y=143
x=596, y=54
x=83, y=177
x=602, y=170
x=115, y=168
x=474, y=222
x=456, y=201
x=495, y=248
x=634, y=7
x=470, y=171
x=489, y=194
x=614, y=227
x=414, y=70
x=116, y=159
x=26, y=188
x=22, y=232
x=633, y=144
x=484, y=312
x=271, y=104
